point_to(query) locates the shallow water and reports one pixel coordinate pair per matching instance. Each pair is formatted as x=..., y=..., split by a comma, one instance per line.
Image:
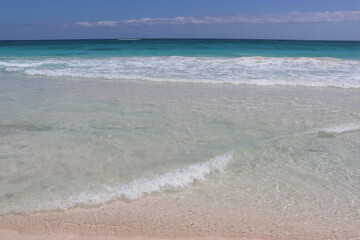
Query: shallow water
x=75, y=142
x=289, y=153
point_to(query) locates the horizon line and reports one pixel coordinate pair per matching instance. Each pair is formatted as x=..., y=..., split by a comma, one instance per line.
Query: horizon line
x=180, y=38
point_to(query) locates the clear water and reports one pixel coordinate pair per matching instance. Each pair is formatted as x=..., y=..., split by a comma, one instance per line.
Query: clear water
x=179, y=47
x=264, y=128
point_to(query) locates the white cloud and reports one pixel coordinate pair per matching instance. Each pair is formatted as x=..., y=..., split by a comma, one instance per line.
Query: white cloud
x=99, y=23
x=84, y=24
x=108, y=23
x=292, y=17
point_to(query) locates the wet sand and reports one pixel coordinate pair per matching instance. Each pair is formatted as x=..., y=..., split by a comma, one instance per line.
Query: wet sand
x=156, y=217
x=13, y=235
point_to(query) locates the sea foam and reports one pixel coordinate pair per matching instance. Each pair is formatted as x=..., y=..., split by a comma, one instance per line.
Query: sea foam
x=267, y=71
x=344, y=128
x=170, y=181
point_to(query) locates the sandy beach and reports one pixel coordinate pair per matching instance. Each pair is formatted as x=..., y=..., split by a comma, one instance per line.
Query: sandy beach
x=166, y=218
x=13, y=235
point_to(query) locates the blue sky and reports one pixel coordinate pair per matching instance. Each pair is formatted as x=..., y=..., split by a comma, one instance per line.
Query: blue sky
x=259, y=19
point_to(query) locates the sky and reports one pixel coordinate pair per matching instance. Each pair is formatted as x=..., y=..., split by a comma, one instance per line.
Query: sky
x=243, y=19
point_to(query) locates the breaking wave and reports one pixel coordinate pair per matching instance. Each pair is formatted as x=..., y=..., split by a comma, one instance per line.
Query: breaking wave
x=170, y=181
x=303, y=71
x=345, y=128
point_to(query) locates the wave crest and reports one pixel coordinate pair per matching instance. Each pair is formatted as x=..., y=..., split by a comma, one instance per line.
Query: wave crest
x=174, y=180
x=345, y=128
x=304, y=71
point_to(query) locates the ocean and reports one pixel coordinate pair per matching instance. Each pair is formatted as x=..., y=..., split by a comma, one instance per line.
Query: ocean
x=268, y=130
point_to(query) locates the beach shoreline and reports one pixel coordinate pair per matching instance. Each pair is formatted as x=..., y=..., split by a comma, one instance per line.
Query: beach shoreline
x=222, y=204
x=13, y=235
x=155, y=218
x=262, y=144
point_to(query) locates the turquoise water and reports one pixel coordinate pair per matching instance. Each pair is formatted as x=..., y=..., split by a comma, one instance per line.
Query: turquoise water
x=249, y=131
x=179, y=47
x=245, y=62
